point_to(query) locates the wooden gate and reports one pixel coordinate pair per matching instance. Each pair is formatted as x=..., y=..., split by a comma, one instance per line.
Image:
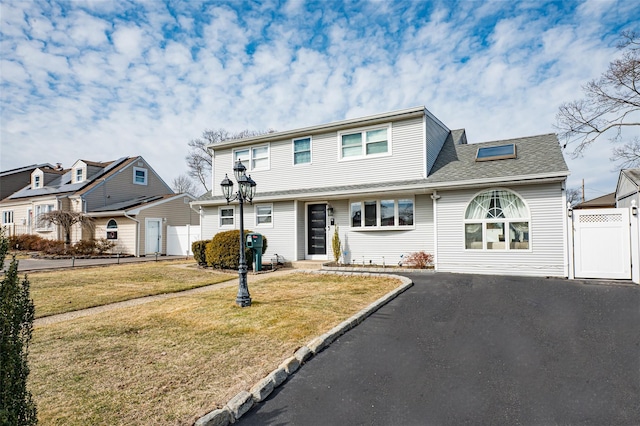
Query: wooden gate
x=602, y=243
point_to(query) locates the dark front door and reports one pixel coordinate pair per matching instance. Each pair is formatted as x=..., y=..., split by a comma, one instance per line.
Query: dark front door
x=316, y=229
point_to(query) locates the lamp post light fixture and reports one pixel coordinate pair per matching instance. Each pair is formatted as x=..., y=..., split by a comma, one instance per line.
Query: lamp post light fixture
x=246, y=192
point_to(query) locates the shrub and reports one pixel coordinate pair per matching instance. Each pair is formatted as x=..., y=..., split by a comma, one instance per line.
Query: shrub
x=16, y=325
x=419, y=260
x=335, y=245
x=52, y=247
x=222, y=251
x=198, y=248
x=25, y=242
x=102, y=245
x=86, y=247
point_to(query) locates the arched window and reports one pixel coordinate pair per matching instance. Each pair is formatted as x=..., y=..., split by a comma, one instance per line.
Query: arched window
x=112, y=230
x=497, y=219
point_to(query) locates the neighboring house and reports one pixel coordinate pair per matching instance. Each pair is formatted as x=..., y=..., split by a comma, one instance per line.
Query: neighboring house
x=16, y=179
x=602, y=202
x=123, y=193
x=398, y=183
x=628, y=188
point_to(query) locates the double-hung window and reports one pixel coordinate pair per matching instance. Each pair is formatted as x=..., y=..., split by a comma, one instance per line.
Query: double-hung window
x=139, y=176
x=264, y=215
x=302, y=151
x=78, y=175
x=227, y=217
x=382, y=214
x=37, y=181
x=496, y=220
x=253, y=158
x=365, y=143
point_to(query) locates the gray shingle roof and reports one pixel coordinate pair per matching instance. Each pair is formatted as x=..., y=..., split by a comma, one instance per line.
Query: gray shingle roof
x=634, y=175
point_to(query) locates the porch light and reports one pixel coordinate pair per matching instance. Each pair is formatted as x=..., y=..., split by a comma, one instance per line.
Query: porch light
x=246, y=192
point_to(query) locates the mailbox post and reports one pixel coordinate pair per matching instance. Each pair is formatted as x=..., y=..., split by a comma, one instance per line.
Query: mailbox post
x=254, y=242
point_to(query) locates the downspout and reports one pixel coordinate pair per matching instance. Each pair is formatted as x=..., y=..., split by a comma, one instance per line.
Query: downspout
x=435, y=197
x=137, y=232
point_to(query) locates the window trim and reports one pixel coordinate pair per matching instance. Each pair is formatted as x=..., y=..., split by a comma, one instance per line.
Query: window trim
x=378, y=226
x=111, y=230
x=496, y=220
x=146, y=175
x=363, y=146
x=293, y=151
x=255, y=214
x=232, y=217
x=37, y=181
x=38, y=208
x=8, y=214
x=80, y=178
x=248, y=162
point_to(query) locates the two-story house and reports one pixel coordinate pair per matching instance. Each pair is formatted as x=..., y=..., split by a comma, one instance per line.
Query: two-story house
x=130, y=202
x=398, y=183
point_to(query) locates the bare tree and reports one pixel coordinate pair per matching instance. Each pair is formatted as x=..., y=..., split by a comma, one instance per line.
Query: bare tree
x=183, y=185
x=66, y=220
x=574, y=196
x=199, y=158
x=611, y=103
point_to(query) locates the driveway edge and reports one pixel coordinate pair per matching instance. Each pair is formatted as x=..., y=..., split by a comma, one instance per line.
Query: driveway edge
x=243, y=401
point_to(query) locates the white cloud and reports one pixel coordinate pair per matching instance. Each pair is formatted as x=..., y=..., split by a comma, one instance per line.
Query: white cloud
x=89, y=83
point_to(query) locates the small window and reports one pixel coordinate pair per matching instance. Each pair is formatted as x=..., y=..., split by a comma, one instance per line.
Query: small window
x=139, y=176
x=7, y=217
x=36, y=181
x=496, y=152
x=387, y=213
x=356, y=215
x=302, y=151
x=264, y=215
x=227, y=217
x=78, y=175
x=112, y=230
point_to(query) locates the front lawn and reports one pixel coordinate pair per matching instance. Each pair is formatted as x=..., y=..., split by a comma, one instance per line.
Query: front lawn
x=172, y=361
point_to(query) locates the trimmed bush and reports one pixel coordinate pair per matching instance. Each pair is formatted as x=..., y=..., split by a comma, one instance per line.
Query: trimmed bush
x=25, y=242
x=222, y=251
x=198, y=248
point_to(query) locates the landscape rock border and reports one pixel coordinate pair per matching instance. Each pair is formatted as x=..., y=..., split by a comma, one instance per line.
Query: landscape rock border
x=245, y=400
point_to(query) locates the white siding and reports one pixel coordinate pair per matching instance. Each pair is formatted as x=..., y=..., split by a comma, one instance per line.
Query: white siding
x=546, y=257
x=374, y=245
x=126, y=242
x=326, y=170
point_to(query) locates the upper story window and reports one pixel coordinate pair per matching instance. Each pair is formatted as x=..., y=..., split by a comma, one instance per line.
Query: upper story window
x=139, y=176
x=112, y=230
x=253, y=158
x=7, y=217
x=382, y=214
x=227, y=217
x=37, y=181
x=497, y=220
x=78, y=175
x=302, y=151
x=365, y=143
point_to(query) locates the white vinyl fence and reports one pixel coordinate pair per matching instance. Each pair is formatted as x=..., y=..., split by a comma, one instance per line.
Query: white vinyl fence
x=179, y=239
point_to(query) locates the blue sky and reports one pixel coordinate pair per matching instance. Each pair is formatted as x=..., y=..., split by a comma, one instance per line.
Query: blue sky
x=99, y=80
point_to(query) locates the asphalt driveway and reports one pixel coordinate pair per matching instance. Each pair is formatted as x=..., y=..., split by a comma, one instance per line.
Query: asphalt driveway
x=470, y=349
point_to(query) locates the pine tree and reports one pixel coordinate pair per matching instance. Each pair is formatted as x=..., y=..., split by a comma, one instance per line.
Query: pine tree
x=16, y=324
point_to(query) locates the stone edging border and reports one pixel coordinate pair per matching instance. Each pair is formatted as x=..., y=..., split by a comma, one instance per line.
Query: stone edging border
x=243, y=401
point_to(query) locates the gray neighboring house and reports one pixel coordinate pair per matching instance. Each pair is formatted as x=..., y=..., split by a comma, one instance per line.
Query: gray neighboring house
x=397, y=183
x=15, y=179
x=628, y=188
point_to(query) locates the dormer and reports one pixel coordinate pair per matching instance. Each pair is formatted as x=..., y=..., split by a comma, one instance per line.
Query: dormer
x=37, y=179
x=79, y=172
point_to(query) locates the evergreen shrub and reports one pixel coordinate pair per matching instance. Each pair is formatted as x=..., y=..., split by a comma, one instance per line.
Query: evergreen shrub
x=198, y=248
x=222, y=251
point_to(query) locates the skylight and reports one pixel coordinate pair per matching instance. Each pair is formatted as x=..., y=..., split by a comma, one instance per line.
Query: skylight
x=500, y=152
